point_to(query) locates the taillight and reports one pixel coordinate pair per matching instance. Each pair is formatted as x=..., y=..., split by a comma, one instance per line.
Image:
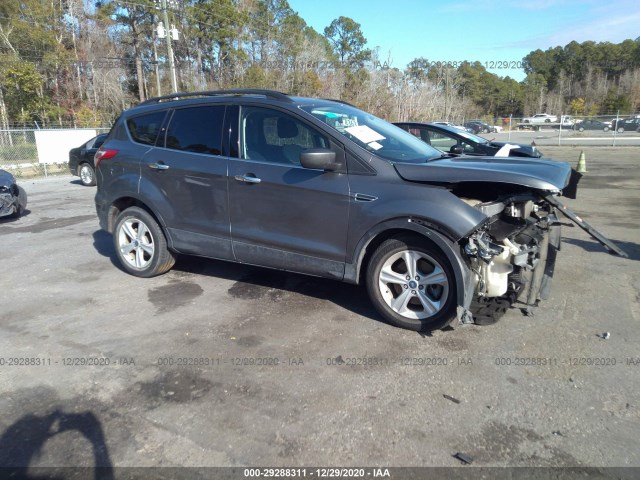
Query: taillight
x=104, y=154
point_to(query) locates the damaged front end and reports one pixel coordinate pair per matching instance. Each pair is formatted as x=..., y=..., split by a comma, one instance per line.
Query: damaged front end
x=512, y=256
x=13, y=198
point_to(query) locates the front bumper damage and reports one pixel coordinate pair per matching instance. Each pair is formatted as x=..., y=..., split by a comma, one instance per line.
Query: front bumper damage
x=514, y=263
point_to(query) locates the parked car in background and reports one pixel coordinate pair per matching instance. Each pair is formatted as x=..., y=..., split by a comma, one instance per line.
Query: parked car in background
x=81, y=160
x=231, y=175
x=453, y=125
x=13, y=198
x=540, y=118
x=477, y=126
x=451, y=140
x=473, y=127
x=589, y=124
x=627, y=125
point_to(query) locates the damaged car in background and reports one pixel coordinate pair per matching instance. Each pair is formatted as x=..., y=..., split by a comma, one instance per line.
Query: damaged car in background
x=13, y=198
x=322, y=188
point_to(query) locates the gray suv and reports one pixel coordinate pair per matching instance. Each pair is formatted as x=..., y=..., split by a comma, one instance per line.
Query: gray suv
x=322, y=188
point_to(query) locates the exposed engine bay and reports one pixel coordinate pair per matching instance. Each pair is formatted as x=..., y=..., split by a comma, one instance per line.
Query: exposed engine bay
x=512, y=256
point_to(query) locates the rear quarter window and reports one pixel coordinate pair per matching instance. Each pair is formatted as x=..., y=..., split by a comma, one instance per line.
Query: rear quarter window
x=145, y=128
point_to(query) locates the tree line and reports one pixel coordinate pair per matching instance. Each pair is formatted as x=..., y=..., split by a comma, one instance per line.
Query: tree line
x=81, y=62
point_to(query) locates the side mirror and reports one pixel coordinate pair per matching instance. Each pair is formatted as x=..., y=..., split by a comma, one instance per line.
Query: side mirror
x=319, y=159
x=457, y=149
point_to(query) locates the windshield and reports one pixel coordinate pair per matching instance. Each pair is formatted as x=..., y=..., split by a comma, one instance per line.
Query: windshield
x=377, y=136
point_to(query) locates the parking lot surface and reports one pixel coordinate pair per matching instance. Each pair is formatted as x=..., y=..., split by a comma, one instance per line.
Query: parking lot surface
x=216, y=364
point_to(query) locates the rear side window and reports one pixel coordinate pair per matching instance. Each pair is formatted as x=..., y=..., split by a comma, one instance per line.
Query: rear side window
x=145, y=128
x=197, y=129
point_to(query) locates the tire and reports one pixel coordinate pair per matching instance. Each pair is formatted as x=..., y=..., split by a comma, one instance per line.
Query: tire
x=87, y=175
x=606, y=129
x=547, y=120
x=429, y=297
x=140, y=244
x=581, y=129
x=621, y=130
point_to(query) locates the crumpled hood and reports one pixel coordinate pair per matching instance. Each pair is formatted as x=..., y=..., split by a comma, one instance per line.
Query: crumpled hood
x=545, y=175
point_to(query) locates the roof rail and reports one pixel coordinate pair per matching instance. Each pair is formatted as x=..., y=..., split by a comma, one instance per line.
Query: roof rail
x=210, y=93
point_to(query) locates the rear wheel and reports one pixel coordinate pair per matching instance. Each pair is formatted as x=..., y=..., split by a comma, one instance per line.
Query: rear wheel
x=140, y=244
x=581, y=129
x=621, y=129
x=411, y=284
x=87, y=175
x=606, y=129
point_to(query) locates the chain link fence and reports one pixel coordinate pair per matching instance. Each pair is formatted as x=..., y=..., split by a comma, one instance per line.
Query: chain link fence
x=19, y=154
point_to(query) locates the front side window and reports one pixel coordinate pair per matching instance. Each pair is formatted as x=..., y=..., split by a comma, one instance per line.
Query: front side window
x=274, y=136
x=197, y=129
x=145, y=128
x=375, y=135
x=442, y=141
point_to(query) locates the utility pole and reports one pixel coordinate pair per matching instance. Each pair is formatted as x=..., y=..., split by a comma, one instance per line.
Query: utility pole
x=172, y=67
x=155, y=63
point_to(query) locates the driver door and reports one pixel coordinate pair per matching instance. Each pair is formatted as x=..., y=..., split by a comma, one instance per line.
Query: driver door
x=283, y=215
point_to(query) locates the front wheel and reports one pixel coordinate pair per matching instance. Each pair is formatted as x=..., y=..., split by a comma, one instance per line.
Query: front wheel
x=606, y=129
x=87, y=175
x=140, y=244
x=581, y=129
x=411, y=284
x=620, y=130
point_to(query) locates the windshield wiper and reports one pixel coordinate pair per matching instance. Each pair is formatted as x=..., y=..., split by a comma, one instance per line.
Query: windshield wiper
x=443, y=156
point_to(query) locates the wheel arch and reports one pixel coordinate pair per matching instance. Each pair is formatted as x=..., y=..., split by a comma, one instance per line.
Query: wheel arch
x=122, y=203
x=355, y=271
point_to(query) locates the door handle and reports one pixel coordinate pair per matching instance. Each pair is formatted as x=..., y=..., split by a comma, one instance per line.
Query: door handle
x=247, y=179
x=158, y=166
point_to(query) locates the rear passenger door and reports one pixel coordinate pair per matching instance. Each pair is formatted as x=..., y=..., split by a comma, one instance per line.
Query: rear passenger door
x=284, y=215
x=187, y=174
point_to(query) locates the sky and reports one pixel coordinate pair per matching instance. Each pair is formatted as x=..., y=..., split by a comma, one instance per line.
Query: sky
x=496, y=33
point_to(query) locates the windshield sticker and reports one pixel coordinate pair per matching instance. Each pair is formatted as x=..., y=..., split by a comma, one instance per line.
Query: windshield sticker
x=375, y=145
x=364, y=133
x=326, y=114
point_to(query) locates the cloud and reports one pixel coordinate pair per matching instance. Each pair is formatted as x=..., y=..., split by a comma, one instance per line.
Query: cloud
x=616, y=28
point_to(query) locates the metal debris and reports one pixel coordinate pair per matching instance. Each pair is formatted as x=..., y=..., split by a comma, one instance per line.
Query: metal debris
x=449, y=397
x=464, y=458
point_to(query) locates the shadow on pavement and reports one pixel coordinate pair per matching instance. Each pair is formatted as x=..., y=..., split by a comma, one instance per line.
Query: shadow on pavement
x=630, y=248
x=23, y=441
